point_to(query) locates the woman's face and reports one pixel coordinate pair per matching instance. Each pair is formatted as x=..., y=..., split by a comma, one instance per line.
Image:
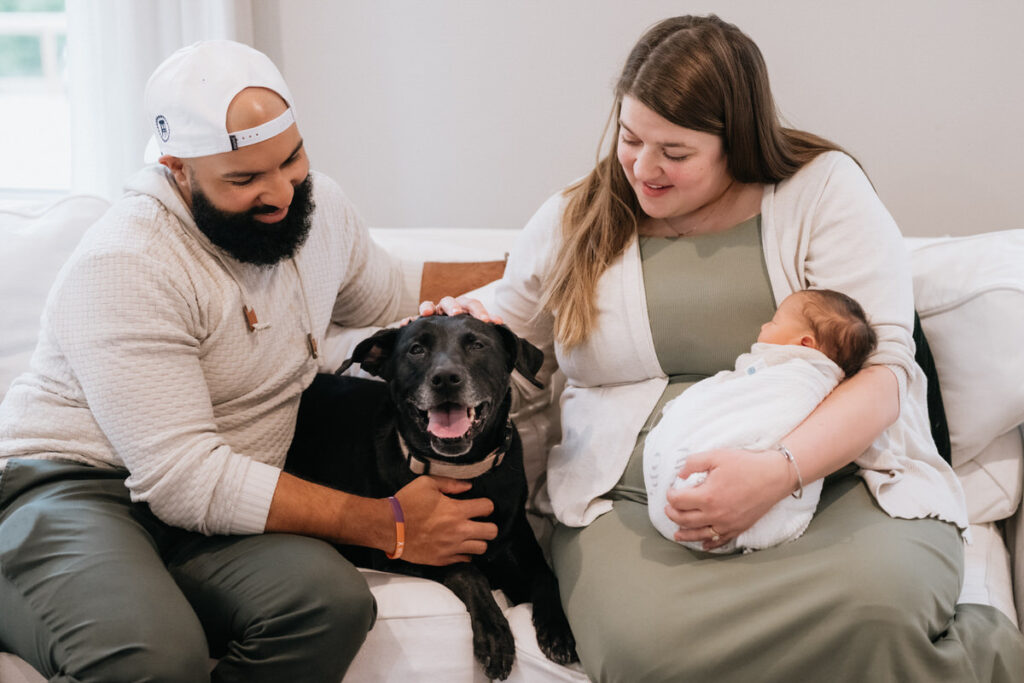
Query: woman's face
x=674, y=171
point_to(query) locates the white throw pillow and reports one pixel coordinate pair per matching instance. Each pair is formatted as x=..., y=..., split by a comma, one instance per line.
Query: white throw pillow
x=37, y=240
x=969, y=292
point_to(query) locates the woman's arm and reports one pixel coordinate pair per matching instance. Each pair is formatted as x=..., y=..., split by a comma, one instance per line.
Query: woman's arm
x=749, y=483
x=844, y=424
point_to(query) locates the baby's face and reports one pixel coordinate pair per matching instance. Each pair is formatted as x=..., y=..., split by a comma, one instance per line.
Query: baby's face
x=788, y=325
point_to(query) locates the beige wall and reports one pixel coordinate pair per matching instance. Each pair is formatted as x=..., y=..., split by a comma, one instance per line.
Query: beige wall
x=471, y=113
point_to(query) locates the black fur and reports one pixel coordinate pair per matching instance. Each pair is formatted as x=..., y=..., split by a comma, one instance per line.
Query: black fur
x=440, y=359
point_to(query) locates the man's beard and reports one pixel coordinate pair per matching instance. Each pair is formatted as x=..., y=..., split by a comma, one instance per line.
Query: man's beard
x=247, y=239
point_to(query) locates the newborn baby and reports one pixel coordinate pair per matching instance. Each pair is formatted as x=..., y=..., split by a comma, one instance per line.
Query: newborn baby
x=815, y=339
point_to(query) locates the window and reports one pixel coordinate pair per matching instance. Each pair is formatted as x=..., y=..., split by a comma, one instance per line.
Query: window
x=34, y=114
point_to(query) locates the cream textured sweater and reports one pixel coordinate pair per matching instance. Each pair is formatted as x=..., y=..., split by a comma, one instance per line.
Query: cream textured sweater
x=145, y=359
x=824, y=228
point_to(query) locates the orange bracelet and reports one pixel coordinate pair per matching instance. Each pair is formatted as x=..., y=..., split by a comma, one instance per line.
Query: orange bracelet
x=396, y=509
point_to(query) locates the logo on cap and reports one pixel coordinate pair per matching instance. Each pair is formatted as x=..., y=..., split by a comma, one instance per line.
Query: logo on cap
x=162, y=128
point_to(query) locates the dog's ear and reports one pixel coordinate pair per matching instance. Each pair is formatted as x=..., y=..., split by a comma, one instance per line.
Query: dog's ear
x=373, y=352
x=522, y=355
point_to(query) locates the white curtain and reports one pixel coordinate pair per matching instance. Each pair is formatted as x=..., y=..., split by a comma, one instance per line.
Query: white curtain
x=113, y=46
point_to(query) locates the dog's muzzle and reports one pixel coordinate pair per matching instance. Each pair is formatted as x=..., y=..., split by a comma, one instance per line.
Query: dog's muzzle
x=450, y=427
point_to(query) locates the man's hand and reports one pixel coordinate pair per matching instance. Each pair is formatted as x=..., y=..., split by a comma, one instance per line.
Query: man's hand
x=441, y=530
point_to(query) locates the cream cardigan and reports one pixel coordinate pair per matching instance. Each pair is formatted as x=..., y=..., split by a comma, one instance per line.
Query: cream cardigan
x=824, y=228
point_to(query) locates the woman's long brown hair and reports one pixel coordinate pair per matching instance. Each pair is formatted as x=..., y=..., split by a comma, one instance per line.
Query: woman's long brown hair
x=699, y=73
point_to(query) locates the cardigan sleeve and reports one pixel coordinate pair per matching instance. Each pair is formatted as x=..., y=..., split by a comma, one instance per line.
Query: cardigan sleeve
x=855, y=247
x=517, y=299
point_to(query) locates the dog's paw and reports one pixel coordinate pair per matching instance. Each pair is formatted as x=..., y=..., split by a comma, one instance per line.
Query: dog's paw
x=558, y=644
x=553, y=633
x=496, y=651
x=554, y=636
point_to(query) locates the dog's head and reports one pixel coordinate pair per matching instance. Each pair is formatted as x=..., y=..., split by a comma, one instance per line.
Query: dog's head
x=448, y=377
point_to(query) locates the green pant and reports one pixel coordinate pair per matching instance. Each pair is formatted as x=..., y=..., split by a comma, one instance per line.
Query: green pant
x=859, y=597
x=94, y=588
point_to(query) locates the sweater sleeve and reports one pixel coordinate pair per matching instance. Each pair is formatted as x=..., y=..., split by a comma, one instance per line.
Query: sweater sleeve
x=375, y=289
x=125, y=329
x=856, y=248
x=378, y=289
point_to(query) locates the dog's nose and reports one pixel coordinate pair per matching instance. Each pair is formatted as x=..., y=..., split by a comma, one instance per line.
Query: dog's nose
x=445, y=378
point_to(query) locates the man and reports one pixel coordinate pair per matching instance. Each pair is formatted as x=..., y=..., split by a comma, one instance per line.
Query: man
x=142, y=455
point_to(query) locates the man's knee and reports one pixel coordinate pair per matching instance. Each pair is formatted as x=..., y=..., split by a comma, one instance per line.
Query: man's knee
x=350, y=608
x=317, y=618
x=306, y=587
x=331, y=593
x=164, y=652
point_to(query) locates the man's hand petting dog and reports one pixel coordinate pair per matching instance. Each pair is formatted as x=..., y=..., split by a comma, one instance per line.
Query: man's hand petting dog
x=438, y=431
x=439, y=529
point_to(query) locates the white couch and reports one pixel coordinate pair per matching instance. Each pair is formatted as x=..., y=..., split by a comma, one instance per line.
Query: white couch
x=970, y=295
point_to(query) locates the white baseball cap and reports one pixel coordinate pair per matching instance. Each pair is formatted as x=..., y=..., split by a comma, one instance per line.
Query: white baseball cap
x=187, y=99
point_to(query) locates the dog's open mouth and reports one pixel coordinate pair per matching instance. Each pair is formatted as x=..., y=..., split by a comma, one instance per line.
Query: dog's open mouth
x=454, y=420
x=452, y=427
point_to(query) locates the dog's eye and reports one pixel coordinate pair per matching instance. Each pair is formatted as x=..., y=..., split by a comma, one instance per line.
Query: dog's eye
x=475, y=345
x=417, y=350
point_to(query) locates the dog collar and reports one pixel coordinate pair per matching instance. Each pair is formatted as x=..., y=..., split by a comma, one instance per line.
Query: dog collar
x=420, y=464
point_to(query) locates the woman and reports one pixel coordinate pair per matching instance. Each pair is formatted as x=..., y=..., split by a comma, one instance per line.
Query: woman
x=654, y=271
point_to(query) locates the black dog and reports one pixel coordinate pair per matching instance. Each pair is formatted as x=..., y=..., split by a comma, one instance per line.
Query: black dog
x=444, y=410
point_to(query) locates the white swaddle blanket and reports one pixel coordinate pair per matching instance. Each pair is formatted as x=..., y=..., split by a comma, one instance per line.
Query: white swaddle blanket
x=771, y=391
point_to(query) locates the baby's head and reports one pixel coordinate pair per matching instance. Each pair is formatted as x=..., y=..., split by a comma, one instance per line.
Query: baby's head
x=826, y=320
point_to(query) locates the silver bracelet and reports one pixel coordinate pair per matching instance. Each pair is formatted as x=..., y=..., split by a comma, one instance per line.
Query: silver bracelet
x=799, y=493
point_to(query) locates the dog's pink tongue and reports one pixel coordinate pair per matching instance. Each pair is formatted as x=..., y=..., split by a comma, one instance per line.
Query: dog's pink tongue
x=449, y=422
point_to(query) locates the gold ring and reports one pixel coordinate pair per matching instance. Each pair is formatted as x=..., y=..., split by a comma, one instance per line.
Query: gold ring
x=714, y=534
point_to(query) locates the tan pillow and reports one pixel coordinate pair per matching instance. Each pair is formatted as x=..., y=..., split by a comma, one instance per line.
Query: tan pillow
x=449, y=278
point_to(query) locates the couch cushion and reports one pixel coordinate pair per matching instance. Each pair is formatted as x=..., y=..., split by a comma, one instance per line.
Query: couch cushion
x=987, y=571
x=37, y=239
x=14, y=669
x=423, y=633
x=969, y=292
x=992, y=479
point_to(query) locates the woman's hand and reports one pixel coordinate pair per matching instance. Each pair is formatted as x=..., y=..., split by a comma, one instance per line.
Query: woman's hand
x=740, y=488
x=456, y=306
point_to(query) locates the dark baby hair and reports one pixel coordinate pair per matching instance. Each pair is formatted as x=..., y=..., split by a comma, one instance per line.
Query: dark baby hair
x=841, y=328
